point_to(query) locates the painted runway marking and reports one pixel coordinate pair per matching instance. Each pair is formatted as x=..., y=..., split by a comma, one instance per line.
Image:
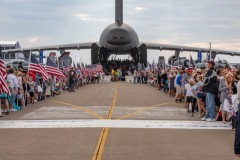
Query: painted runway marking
x=103, y=136
x=94, y=123
x=81, y=108
x=142, y=110
x=63, y=112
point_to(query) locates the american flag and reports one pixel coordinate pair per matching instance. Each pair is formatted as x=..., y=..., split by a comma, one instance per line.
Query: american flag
x=3, y=86
x=2, y=65
x=59, y=79
x=34, y=66
x=87, y=73
x=191, y=63
x=98, y=68
x=52, y=69
x=84, y=72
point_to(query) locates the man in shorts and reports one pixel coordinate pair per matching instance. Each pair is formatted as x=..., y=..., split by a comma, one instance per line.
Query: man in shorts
x=178, y=82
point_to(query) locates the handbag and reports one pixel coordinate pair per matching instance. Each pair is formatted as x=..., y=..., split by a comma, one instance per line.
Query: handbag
x=3, y=96
x=219, y=116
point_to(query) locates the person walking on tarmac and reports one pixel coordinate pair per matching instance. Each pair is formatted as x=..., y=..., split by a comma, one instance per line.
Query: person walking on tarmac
x=117, y=75
x=72, y=76
x=112, y=74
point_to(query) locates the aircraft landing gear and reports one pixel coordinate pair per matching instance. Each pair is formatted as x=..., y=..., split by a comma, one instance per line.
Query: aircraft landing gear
x=143, y=54
x=135, y=55
x=94, y=53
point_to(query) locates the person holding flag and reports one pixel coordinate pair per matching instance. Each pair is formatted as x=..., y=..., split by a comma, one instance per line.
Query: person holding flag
x=4, y=92
x=35, y=67
x=4, y=89
x=3, y=70
x=53, y=70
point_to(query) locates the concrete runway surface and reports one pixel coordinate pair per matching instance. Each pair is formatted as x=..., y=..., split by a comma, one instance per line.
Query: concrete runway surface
x=112, y=121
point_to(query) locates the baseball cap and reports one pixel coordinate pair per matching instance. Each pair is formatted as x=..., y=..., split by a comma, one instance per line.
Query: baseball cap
x=211, y=62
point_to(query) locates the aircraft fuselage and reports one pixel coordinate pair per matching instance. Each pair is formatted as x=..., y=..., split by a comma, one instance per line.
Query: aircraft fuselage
x=119, y=39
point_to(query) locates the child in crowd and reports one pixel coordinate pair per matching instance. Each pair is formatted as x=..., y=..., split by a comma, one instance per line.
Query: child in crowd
x=191, y=95
x=200, y=95
x=31, y=84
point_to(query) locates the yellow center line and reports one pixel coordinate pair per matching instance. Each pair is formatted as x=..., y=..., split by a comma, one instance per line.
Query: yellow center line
x=104, y=133
x=141, y=110
x=81, y=108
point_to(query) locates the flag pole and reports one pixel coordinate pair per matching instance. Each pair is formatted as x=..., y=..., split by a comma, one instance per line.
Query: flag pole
x=81, y=63
x=75, y=59
x=58, y=62
x=210, y=51
x=178, y=62
x=29, y=61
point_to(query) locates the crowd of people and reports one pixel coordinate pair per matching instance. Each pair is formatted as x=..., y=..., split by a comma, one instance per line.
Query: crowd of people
x=211, y=93
x=27, y=87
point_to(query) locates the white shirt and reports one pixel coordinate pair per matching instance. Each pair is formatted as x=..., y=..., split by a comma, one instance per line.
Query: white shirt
x=12, y=79
x=189, y=90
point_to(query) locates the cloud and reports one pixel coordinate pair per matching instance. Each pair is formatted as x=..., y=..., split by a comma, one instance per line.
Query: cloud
x=83, y=17
x=4, y=18
x=140, y=8
x=86, y=17
x=33, y=39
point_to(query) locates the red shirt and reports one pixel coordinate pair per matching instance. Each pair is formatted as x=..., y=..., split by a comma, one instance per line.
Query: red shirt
x=31, y=74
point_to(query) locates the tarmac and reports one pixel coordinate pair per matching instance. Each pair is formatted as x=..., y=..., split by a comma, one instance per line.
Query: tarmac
x=112, y=121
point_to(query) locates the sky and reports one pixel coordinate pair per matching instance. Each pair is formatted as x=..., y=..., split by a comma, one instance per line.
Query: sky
x=180, y=22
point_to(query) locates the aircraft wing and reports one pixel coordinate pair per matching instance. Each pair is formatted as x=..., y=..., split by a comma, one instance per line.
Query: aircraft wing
x=159, y=46
x=53, y=47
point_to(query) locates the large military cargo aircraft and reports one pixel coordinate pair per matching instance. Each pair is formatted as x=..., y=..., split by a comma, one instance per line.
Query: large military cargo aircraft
x=120, y=38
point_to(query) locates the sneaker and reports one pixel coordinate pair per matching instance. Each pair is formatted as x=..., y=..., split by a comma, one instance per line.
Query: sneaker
x=12, y=110
x=203, y=119
x=35, y=101
x=211, y=120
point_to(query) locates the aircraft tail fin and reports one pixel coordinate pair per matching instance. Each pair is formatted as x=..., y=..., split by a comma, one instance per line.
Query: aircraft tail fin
x=119, y=12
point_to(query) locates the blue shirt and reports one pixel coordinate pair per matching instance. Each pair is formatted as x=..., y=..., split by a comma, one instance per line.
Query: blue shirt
x=178, y=80
x=184, y=76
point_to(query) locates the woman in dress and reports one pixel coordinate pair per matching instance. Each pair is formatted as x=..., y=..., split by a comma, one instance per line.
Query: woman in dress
x=223, y=94
x=171, y=79
x=230, y=100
